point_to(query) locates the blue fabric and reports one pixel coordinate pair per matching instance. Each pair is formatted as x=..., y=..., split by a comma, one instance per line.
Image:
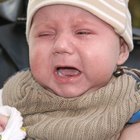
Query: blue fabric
x=135, y=118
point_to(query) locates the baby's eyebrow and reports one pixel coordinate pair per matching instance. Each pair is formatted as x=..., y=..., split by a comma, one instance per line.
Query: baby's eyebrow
x=41, y=26
x=87, y=21
x=82, y=21
x=45, y=24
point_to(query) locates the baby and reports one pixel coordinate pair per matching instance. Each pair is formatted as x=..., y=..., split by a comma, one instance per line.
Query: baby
x=76, y=88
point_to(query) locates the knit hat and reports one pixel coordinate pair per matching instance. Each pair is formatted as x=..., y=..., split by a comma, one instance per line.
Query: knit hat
x=113, y=12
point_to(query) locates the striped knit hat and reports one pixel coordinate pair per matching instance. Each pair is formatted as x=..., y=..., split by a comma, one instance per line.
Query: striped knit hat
x=113, y=12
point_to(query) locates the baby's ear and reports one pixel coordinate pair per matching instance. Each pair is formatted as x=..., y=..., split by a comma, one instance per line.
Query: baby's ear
x=124, y=52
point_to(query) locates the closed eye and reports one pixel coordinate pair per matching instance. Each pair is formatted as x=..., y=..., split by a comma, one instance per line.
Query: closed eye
x=48, y=35
x=83, y=32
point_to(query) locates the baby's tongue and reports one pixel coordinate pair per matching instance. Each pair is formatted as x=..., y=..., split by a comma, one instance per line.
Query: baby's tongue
x=67, y=72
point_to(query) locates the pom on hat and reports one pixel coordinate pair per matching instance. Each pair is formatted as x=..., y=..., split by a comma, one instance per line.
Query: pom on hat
x=113, y=12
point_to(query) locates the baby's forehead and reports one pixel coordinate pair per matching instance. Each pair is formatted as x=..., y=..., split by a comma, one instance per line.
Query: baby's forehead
x=64, y=12
x=61, y=8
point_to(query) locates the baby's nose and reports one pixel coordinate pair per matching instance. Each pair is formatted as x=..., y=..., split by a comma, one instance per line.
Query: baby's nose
x=63, y=44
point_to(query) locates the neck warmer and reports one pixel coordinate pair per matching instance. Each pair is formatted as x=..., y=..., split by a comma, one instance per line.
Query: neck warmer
x=95, y=115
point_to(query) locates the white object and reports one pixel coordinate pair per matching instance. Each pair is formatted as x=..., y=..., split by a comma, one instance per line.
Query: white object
x=13, y=129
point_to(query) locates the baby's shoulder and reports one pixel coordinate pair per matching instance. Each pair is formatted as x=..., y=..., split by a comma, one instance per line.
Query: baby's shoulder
x=13, y=89
x=18, y=77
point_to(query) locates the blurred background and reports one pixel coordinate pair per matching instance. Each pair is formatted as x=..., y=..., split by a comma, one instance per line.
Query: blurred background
x=13, y=45
x=134, y=59
x=134, y=6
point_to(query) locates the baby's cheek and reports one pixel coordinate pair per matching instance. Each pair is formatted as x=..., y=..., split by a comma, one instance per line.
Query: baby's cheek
x=37, y=59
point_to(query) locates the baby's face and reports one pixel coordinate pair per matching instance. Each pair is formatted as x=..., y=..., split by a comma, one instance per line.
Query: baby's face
x=71, y=50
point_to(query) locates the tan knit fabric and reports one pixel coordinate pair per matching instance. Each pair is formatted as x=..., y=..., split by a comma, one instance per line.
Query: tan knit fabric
x=99, y=115
x=113, y=12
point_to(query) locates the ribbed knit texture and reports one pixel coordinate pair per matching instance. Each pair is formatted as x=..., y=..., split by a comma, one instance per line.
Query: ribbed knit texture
x=98, y=115
x=113, y=12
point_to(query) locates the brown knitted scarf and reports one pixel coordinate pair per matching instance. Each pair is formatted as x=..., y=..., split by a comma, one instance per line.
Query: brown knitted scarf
x=98, y=115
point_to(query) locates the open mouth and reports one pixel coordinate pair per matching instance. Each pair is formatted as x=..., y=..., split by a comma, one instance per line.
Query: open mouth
x=67, y=72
